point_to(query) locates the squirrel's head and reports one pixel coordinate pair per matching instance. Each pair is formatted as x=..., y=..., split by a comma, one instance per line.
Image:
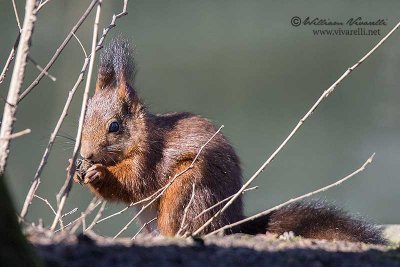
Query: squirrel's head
x=115, y=121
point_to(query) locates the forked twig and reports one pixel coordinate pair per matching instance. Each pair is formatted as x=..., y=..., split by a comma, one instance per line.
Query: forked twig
x=369, y=160
x=325, y=94
x=168, y=184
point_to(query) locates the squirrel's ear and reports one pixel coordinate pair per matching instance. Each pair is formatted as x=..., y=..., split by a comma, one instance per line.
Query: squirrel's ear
x=127, y=93
x=103, y=81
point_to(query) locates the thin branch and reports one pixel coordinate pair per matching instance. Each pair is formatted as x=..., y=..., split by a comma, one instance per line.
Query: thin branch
x=36, y=180
x=67, y=225
x=63, y=194
x=47, y=203
x=16, y=15
x=9, y=59
x=216, y=205
x=143, y=226
x=50, y=206
x=325, y=94
x=129, y=206
x=69, y=212
x=80, y=43
x=16, y=135
x=90, y=208
x=98, y=216
x=369, y=160
x=40, y=68
x=222, y=202
x=41, y=5
x=59, y=50
x=16, y=82
x=168, y=184
x=185, y=212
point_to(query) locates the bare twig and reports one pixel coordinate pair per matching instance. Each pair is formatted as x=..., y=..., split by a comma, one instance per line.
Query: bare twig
x=16, y=15
x=59, y=50
x=129, y=206
x=80, y=43
x=92, y=205
x=168, y=184
x=69, y=212
x=98, y=216
x=50, y=206
x=36, y=180
x=143, y=226
x=369, y=160
x=9, y=59
x=41, y=4
x=16, y=135
x=216, y=205
x=67, y=225
x=51, y=77
x=47, y=203
x=16, y=82
x=325, y=94
x=222, y=202
x=185, y=212
x=63, y=194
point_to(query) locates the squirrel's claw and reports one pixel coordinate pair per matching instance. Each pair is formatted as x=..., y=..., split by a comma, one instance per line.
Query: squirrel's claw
x=97, y=171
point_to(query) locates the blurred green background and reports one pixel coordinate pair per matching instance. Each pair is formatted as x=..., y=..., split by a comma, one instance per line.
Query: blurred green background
x=241, y=64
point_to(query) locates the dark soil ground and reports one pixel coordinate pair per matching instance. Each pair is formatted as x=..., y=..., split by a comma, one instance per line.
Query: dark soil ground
x=236, y=250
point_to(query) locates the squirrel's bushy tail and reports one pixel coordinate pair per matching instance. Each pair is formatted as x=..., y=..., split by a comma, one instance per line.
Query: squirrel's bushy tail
x=116, y=63
x=316, y=220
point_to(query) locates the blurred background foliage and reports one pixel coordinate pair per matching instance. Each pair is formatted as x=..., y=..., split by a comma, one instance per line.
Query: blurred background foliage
x=241, y=64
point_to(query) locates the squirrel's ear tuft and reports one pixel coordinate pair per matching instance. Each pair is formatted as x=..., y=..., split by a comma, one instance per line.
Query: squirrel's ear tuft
x=117, y=67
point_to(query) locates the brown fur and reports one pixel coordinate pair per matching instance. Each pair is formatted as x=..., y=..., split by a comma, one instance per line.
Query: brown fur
x=148, y=150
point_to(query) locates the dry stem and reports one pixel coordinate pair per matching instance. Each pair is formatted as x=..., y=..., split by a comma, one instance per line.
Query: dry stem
x=92, y=205
x=98, y=216
x=143, y=226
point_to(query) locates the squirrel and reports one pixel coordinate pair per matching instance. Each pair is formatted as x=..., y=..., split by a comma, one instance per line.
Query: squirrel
x=132, y=153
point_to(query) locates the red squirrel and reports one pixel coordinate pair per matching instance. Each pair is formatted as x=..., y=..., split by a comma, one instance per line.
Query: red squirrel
x=133, y=153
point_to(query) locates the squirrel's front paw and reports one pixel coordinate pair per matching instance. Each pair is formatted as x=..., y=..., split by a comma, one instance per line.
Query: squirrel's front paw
x=95, y=172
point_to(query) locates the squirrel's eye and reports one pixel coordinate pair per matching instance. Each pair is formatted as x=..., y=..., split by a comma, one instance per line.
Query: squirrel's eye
x=114, y=127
